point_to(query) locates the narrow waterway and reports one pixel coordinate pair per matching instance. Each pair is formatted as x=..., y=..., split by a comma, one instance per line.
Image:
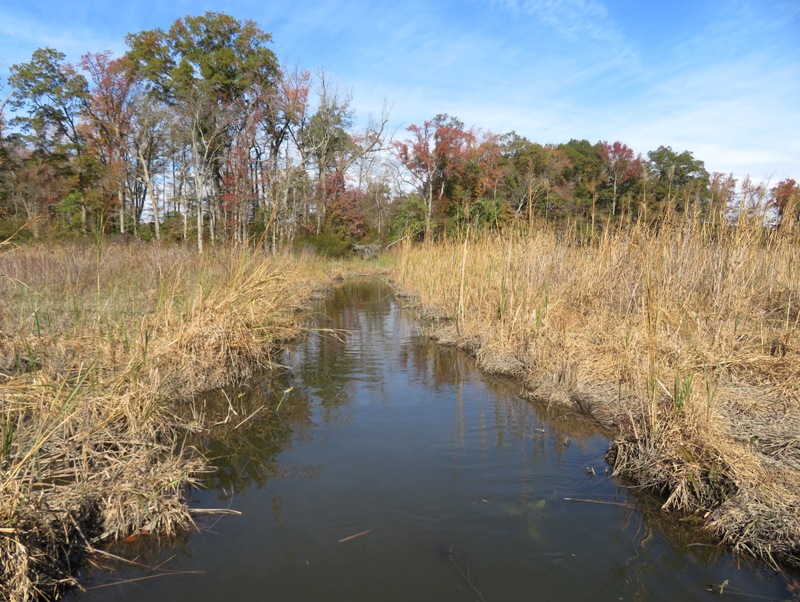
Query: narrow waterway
x=379, y=466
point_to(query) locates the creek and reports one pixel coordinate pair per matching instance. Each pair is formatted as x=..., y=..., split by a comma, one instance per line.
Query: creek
x=380, y=466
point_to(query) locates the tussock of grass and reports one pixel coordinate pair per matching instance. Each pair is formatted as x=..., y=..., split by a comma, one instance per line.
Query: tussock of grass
x=684, y=339
x=98, y=348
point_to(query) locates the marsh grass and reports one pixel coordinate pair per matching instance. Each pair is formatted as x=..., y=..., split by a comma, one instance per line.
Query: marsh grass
x=100, y=347
x=684, y=339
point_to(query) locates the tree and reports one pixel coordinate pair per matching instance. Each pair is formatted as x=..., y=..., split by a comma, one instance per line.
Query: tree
x=324, y=142
x=722, y=192
x=3, y=103
x=327, y=143
x=677, y=179
x=109, y=116
x=531, y=173
x=277, y=195
x=377, y=204
x=242, y=166
x=204, y=67
x=434, y=157
x=213, y=53
x=325, y=136
x=417, y=155
x=344, y=208
x=476, y=180
x=53, y=94
x=32, y=185
x=620, y=166
x=149, y=137
x=583, y=171
x=5, y=155
x=785, y=199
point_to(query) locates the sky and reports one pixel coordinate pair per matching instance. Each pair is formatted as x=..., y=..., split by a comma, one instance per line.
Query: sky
x=719, y=78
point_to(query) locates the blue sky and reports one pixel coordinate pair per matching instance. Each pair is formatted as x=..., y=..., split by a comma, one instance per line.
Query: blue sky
x=720, y=78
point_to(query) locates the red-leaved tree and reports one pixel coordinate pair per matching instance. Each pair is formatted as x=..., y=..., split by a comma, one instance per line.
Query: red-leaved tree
x=786, y=200
x=620, y=165
x=449, y=165
x=109, y=114
x=344, y=207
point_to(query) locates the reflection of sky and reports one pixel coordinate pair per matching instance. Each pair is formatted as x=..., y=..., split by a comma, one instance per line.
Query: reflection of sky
x=445, y=471
x=719, y=78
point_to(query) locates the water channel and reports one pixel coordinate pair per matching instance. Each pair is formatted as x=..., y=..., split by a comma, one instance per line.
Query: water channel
x=393, y=470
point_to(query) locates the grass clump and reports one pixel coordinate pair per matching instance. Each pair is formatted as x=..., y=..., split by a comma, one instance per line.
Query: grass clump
x=682, y=338
x=99, y=348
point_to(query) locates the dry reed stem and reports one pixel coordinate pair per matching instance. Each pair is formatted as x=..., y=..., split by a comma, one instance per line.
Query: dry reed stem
x=684, y=339
x=98, y=347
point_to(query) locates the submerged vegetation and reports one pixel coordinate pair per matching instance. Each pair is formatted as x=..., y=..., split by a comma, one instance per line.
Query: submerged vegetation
x=103, y=351
x=683, y=339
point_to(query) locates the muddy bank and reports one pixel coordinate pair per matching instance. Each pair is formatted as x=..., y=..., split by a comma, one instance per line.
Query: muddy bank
x=102, y=359
x=737, y=474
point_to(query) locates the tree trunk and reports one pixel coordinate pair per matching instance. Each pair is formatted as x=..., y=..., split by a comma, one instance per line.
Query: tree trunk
x=151, y=193
x=121, y=199
x=199, y=226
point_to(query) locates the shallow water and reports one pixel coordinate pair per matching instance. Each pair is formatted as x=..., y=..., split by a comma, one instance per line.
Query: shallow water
x=393, y=470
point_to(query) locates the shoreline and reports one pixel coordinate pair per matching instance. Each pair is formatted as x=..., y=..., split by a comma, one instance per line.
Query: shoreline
x=723, y=511
x=99, y=367
x=725, y=456
x=92, y=446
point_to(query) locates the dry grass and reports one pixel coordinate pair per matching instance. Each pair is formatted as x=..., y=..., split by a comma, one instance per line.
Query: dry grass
x=685, y=340
x=98, y=348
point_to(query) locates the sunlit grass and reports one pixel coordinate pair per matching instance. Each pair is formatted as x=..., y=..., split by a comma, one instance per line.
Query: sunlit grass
x=683, y=338
x=99, y=348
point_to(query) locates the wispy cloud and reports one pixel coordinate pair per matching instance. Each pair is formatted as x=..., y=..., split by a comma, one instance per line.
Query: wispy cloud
x=21, y=34
x=731, y=93
x=723, y=86
x=575, y=19
x=719, y=78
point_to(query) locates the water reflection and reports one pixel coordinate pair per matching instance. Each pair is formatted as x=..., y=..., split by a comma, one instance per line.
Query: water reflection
x=245, y=445
x=356, y=350
x=454, y=485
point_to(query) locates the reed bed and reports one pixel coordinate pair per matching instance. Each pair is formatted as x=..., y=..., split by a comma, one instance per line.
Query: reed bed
x=102, y=350
x=683, y=339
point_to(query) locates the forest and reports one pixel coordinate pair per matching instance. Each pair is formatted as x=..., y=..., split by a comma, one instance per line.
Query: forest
x=197, y=134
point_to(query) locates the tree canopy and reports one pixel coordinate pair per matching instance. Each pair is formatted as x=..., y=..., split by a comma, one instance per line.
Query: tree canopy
x=196, y=134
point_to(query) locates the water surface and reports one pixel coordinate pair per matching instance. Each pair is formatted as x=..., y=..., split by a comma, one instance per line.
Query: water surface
x=393, y=470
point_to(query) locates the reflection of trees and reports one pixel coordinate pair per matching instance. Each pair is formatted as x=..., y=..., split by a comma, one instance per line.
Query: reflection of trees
x=434, y=365
x=253, y=426
x=256, y=423
x=514, y=419
x=539, y=429
x=348, y=341
x=358, y=341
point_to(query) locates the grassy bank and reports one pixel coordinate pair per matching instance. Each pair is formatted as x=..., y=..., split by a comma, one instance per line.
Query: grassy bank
x=102, y=350
x=683, y=340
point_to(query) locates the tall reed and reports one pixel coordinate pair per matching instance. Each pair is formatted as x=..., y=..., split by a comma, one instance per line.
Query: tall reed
x=99, y=347
x=684, y=338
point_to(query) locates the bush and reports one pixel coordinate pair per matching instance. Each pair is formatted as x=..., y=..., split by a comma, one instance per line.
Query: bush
x=326, y=244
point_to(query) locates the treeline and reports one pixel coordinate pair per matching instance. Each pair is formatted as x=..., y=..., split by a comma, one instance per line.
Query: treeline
x=198, y=134
x=466, y=177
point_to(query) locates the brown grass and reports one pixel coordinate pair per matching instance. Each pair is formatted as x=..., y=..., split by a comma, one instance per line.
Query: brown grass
x=684, y=339
x=98, y=349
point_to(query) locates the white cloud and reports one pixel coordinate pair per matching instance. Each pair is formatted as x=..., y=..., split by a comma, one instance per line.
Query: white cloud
x=21, y=34
x=722, y=83
x=572, y=18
